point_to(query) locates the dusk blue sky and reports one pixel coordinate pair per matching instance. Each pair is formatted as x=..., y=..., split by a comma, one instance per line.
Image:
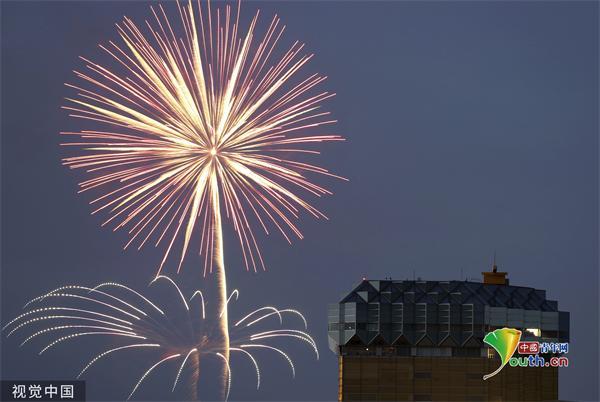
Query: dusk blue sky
x=471, y=127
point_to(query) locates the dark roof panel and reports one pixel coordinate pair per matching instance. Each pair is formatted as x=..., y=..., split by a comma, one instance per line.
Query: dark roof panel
x=464, y=292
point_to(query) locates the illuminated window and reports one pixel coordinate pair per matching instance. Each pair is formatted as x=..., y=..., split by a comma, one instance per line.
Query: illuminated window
x=534, y=331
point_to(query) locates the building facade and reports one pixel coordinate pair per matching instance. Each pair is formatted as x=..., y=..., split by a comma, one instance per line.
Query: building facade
x=423, y=340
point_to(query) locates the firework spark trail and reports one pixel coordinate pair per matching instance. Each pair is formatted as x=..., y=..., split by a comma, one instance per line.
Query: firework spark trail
x=154, y=330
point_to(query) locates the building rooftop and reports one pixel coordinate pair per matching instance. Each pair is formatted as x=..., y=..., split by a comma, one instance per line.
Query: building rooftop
x=442, y=314
x=462, y=292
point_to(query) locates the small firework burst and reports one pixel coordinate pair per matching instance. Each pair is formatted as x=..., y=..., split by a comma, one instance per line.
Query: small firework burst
x=136, y=322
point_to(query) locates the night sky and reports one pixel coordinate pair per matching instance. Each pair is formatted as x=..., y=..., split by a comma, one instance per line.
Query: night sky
x=471, y=127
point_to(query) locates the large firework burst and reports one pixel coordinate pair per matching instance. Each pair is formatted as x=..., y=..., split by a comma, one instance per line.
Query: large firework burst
x=197, y=120
x=135, y=322
x=200, y=120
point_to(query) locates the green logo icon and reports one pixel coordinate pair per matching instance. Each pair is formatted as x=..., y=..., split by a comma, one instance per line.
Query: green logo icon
x=505, y=342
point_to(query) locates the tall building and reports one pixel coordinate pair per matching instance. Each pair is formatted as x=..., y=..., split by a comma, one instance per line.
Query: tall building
x=423, y=340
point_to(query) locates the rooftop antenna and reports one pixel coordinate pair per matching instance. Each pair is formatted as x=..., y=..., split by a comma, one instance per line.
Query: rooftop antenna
x=494, y=277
